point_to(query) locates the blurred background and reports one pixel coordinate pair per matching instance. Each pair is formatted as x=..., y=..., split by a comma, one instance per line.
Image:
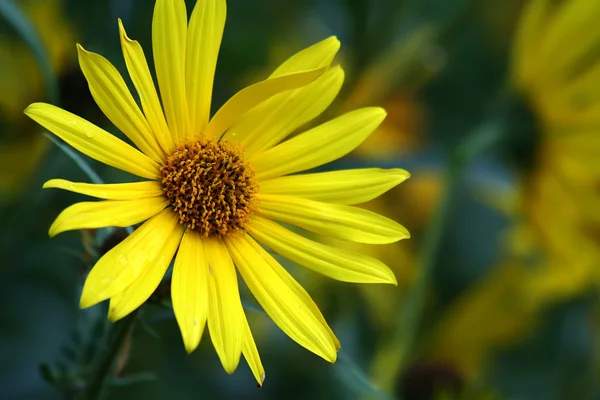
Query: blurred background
x=494, y=108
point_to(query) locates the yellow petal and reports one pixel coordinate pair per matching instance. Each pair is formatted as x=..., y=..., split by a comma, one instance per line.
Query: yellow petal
x=274, y=119
x=352, y=186
x=246, y=99
x=203, y=41
x=114, y=99
x=121, y=265
x=318, y=146
x=148, y=280
x=169, y=31
x=335, y=220
x=573, y=32
x=93, y=141
x=116, y=191
x=225, y=312
x=144, y=85
x=100, y=214
x=530, y=29
x=316, y=56
x=261, y=272
x=251, y=355
x=189, y=289
x=339, y=264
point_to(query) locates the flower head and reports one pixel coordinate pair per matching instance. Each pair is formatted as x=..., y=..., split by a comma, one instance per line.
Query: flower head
x=556, y=69
x=215, y=187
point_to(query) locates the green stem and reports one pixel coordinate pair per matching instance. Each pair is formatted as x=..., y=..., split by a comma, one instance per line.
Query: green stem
x=414, y=300
x=412, y=311
x=120, y=332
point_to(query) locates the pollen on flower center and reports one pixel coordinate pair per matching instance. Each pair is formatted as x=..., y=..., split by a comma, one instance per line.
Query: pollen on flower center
x=210, y=186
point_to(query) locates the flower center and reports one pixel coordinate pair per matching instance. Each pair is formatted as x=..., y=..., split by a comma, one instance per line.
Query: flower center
x=210, y=186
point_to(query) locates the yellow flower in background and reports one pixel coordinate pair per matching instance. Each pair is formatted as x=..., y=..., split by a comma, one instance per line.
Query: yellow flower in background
x=215, y=187
x=20, y=84
x=552, y=251
x=555, y=66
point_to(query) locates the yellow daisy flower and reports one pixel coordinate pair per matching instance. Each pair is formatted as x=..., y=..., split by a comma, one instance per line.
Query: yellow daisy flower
x=556, y=69
x=214, y=188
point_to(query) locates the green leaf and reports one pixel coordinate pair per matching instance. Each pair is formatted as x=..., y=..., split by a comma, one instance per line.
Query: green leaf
x=48, y=374
x=15, y=18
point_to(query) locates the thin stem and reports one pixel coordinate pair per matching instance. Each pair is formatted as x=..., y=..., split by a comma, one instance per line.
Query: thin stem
x=483, y=137
x=414, y=300
x=118, y=335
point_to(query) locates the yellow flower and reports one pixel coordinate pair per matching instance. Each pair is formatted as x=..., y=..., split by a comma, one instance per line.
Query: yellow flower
x=20, y=84
x=554, y=66
x=214, y=187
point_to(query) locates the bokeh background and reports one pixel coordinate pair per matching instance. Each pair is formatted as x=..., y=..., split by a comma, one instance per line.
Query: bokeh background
x=494, y=108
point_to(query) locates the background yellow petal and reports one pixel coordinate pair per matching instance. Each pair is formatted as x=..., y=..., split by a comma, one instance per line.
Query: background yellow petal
x=144, y=85
x=278, y=299
x=114, y=191
x=249, y=97
x=352, y=186
x=93, y=141
x=169, y=31
x=251, y=355
x=114, y=99
x=335, y=263
x=274, y=119
x=335, y=220
x=573, y=29
x=189, y=289
x=100, y=214
x=203, y=42
x=148, y=280
x=119, y=267
x=527, y=38
x=318, y=146
x=225, y=312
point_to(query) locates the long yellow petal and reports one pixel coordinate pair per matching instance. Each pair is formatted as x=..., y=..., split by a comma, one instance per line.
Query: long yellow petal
x=316, y=56
x=251, y=355
x=189, y=289
x=93, y=141
x=144, y=85
x=318, y=146
x=148, y=280
x=352, y=186
x=248, y=98
x=573, y=32
x=114, y=191
x=261, y=272
x=110, y=92
x=336, y=220
x=528, y=35
x=169, y=31
x=339, y=264
x=203, y=41
x=274, y=119
x=100, y=214
x=225, y=312
x=121, y=265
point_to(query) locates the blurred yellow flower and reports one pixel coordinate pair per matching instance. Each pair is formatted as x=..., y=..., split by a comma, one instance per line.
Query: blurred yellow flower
x=21, y=83
x=553, y=249
x=215, y=186
x=556, y=68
